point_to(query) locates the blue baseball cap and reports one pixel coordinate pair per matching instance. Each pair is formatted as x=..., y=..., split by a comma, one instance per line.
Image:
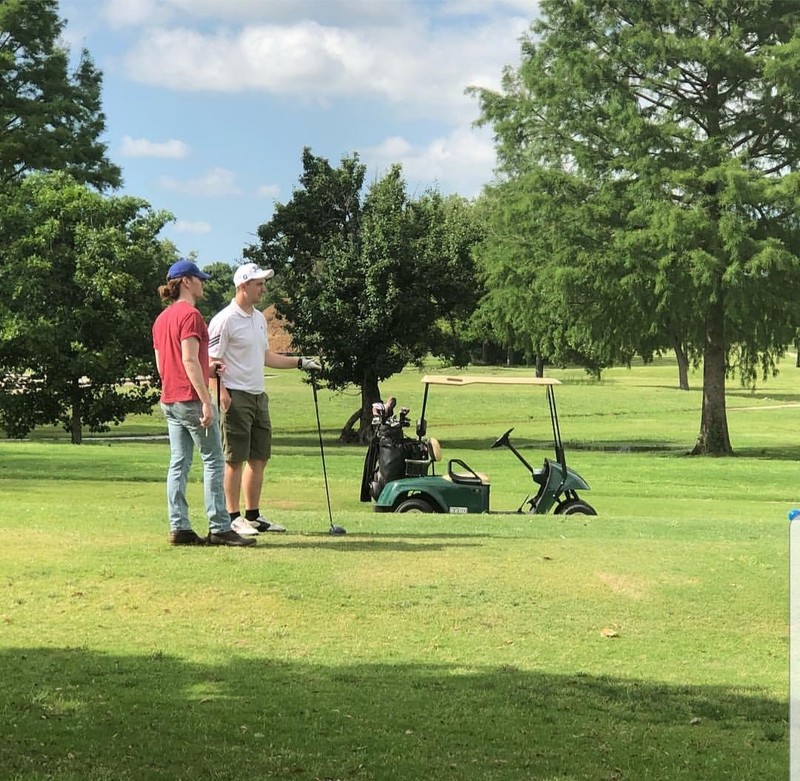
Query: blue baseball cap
x=186, y=268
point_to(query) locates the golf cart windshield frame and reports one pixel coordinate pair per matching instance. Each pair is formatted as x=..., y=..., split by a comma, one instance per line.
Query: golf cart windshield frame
x=461, y=380
x=485, y=379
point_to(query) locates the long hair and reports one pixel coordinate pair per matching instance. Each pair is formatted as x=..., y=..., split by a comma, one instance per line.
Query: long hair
x=171, y=291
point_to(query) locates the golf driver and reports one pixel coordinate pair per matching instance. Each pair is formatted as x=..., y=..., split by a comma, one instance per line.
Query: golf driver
x=333, y=529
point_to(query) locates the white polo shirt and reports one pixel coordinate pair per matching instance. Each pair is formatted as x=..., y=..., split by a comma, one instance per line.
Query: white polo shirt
x=239, y=339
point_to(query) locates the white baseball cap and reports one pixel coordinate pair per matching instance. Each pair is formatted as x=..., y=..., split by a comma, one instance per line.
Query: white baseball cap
x=250, y=271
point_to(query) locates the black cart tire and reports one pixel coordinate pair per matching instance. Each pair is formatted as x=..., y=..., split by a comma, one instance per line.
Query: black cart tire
x=414, y=505
x=575, y=507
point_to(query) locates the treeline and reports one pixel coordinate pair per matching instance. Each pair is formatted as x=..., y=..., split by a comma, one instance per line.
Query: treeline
x=645, y=201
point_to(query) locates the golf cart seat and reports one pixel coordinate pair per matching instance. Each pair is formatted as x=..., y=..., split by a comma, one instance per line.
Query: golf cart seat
x=419, y=467
x=466, y=474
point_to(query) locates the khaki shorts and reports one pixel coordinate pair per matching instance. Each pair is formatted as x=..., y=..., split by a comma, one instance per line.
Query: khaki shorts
x=246, y=428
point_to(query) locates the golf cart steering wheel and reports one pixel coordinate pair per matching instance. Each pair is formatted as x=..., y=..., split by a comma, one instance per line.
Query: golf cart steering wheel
x=502, y=440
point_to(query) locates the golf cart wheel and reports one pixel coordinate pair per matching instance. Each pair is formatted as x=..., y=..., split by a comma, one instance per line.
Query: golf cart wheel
x=414, y=505
x=575, y=507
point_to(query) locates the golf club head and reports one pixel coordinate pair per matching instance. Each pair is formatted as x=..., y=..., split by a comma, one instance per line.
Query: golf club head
x=336, y=530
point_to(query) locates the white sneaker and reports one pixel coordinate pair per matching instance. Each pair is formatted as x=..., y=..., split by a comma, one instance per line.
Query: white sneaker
x=243, y=527
x=263, y=525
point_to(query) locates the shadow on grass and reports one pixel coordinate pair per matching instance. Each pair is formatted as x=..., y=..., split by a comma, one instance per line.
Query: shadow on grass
x=763, y=395
x=361, y=544
x=74, y=714
x=535, y=450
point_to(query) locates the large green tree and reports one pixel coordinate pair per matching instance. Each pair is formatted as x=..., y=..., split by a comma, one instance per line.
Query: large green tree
x=50, y=117
x=367, y=277
x=543, y=227
x=79, y=273
x=217, y=291
x=684, y=114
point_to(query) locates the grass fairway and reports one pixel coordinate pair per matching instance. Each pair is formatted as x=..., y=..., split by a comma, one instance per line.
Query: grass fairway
x=649, y=642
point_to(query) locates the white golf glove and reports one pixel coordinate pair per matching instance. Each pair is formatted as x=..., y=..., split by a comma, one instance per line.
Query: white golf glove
x=309, y=364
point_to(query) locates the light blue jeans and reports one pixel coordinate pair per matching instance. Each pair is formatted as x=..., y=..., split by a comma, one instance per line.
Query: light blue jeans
x=186, y=433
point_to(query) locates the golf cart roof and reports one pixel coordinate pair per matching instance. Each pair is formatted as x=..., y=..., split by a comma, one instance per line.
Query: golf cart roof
x=485, y=379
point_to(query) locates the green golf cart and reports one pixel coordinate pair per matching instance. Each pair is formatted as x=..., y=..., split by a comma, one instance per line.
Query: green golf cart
x=400, y=472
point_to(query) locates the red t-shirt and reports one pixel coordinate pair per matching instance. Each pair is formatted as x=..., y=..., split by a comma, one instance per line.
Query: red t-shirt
x=179, y=321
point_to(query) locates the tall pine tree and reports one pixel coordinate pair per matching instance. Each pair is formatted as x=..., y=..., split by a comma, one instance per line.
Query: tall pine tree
x=50, y=118
x=684, y=115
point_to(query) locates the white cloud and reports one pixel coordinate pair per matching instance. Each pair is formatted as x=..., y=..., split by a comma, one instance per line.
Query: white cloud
x=214, y=183
x=268, y=191
x=526, y=8
x=186, y=226
x=142, y=147
x=127, y=13
x=130, y=13
x=461, y=162
x=420, y=68
x=390, y=149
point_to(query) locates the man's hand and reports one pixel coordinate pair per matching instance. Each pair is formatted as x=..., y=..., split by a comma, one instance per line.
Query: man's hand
x=224, y=399
x=207, y=415
x=310, y=364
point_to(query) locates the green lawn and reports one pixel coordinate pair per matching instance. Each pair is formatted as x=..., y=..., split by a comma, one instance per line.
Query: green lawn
x=649, y=642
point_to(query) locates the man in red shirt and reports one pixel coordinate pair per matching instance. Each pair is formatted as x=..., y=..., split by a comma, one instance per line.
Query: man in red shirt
x=180, y=341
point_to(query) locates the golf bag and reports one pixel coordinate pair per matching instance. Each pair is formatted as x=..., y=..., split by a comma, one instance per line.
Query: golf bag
x=391, y=454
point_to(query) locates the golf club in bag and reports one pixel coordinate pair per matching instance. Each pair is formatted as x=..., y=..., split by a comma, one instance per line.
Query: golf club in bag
x=333, y=529
x=391, y=455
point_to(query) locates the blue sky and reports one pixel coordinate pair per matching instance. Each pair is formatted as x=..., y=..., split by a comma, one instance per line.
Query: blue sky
x=209, y=103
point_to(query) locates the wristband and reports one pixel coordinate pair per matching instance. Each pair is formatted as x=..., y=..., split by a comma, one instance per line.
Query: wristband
x=299, y=363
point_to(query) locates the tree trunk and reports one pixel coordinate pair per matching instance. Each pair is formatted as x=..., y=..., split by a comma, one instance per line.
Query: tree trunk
x=797, y=354
x=539, y=366
x=370, y=393
x=683, y=365
x=76, y=428
x=714, y=439
x=347, y=434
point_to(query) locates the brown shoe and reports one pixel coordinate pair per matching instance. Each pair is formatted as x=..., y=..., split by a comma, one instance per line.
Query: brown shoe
x=230, y=537
x=185, y=537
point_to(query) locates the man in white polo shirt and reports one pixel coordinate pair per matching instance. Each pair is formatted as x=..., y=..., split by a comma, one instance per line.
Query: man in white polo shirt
x=238, y=338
